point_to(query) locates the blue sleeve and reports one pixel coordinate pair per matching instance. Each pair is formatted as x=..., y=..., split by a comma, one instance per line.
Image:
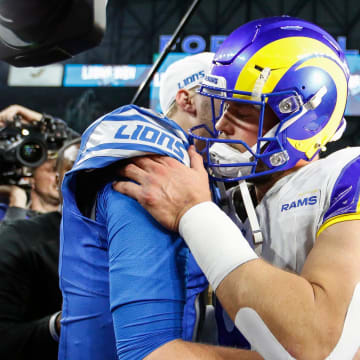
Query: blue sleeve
x=147, y=267
x=344, y=203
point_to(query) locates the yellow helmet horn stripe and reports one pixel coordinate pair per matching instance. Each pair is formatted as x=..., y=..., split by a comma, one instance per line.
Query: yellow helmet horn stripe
x=269, y=56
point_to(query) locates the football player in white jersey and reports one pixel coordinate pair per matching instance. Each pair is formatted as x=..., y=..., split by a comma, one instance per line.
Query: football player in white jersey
x=281, y=85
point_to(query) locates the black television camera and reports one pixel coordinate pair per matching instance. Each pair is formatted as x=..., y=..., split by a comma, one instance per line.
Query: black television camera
x=40, y=32
x=25, y=146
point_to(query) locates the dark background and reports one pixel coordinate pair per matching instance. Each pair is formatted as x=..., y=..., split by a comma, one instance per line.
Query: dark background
x=132, y=37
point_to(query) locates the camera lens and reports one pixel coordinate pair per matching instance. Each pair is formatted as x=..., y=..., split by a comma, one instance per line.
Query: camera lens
x=32, y=152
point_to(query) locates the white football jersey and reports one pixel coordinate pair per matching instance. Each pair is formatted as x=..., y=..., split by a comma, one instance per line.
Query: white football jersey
x=293, y=212
x=298, y=207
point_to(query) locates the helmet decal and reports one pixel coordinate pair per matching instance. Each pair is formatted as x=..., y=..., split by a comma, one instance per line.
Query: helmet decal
x=311, y=145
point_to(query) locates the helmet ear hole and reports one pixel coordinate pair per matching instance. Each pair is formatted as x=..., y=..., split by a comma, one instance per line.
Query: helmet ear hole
x=303, y=87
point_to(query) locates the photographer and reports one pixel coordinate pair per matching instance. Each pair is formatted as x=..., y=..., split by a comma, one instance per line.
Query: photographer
x=41, y=195
x=30, y=298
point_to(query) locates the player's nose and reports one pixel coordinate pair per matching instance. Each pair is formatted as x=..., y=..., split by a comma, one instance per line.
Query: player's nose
x=224, y=125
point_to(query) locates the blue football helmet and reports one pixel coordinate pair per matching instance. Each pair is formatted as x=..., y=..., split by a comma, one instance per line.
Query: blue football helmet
x=295, y=68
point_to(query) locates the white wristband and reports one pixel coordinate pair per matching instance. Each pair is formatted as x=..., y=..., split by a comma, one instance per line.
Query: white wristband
x=215, y=241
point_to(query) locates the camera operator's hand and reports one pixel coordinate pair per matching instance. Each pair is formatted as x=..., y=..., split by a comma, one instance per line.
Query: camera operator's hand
x=27, y=115
x=17, y=195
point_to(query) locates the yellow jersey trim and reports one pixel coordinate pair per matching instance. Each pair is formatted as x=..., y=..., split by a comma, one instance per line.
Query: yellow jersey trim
x=337, y=219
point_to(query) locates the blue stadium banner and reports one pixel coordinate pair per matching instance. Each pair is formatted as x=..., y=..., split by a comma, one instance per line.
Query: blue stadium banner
x=104, y=75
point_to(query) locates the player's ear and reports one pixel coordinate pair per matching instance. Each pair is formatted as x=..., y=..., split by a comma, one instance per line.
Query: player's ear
x=185, y=101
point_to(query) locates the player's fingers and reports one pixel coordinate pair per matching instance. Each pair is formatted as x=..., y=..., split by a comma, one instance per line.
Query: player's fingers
x=152, y=164
x=133, y=171
x=196, y=161
x=166, y=162
x=128, y=188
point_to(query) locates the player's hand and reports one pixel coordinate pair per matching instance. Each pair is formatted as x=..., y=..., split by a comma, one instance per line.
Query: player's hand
x=27, y=115
x=165, y=187
x=17, y=195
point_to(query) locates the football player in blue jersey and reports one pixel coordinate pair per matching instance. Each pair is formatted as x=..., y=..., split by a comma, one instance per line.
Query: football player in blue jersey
x=130, y=287
x=281, y=84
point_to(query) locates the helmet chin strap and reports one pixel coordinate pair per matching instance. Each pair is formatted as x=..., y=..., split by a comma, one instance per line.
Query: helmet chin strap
x=251, y=213
x=223, y=152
